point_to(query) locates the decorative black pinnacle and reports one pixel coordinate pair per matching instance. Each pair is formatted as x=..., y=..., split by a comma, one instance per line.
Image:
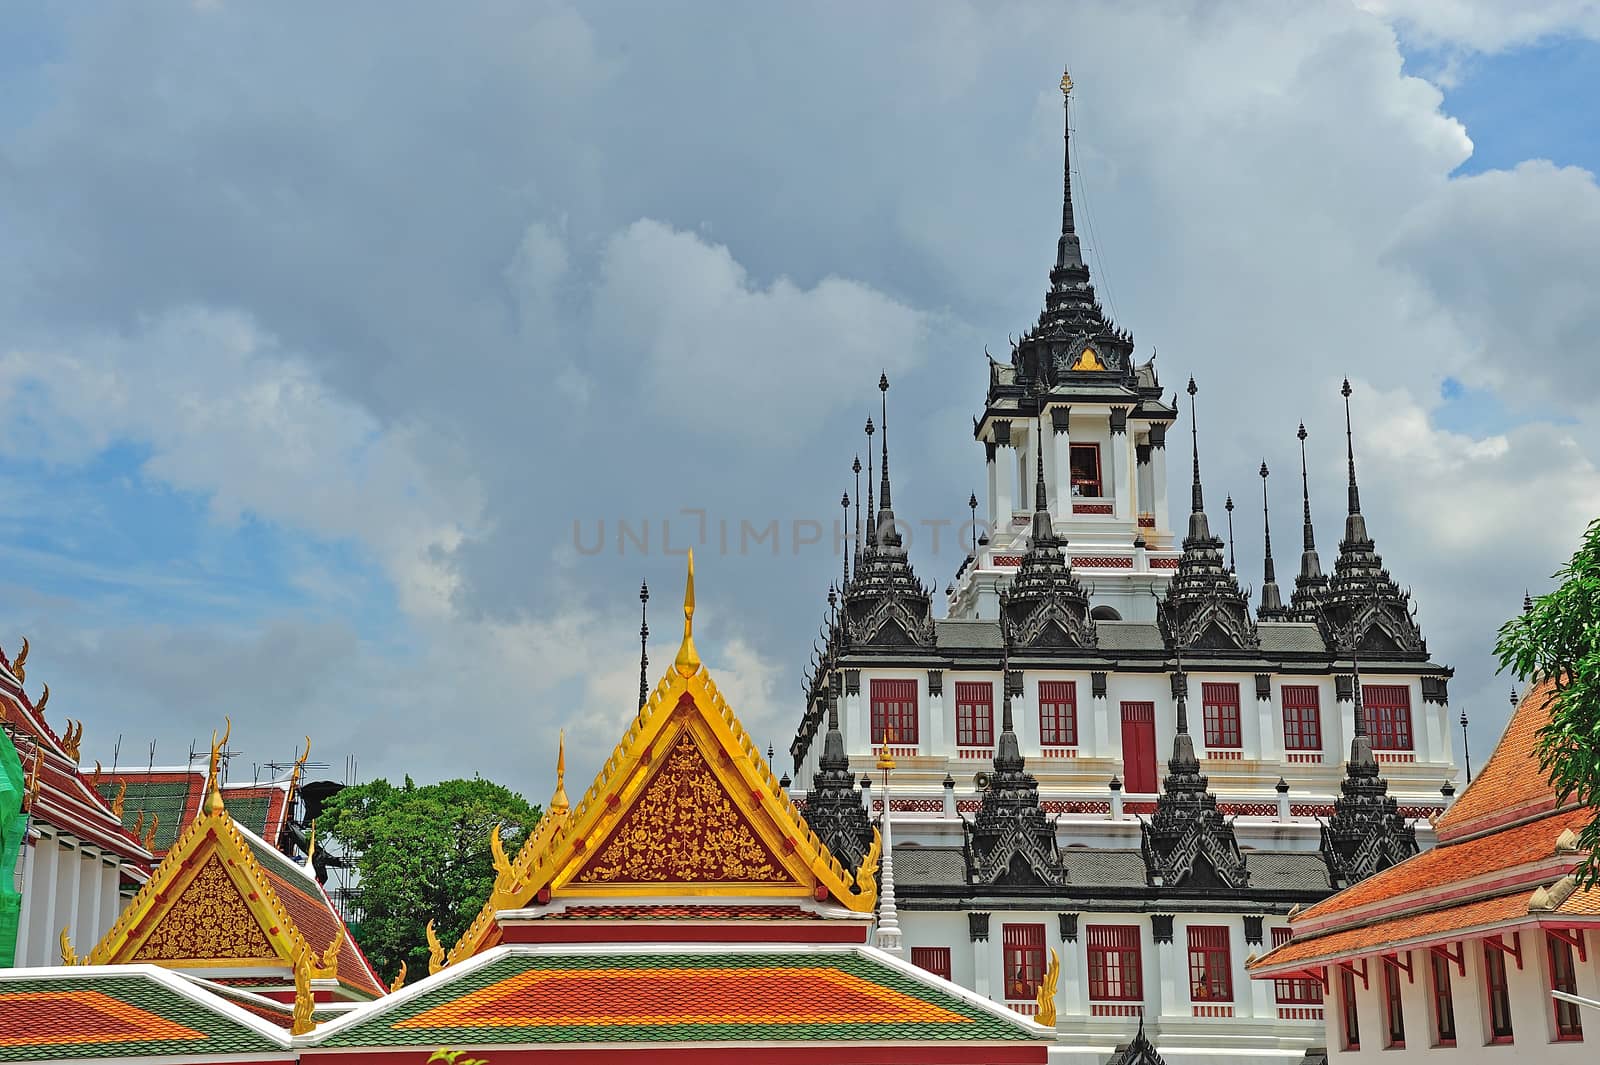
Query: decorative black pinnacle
x=844, y=502
x=1355, y=527
x=1466, y=752
x=1198, y=527
x=1068, y=252
x=872, y=514
x=883, y=398
x=972, y=505
x=1228, y=506
x=644, y=639
x=1041, y=504
x=1011, y=841
x=1310, y=585
x=1045, y=606
x=834, y=809
x=1271, y=608
x=855, y=467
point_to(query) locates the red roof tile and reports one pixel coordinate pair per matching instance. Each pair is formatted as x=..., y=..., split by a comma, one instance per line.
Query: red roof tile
x=1368, y=938
x=1511, y=784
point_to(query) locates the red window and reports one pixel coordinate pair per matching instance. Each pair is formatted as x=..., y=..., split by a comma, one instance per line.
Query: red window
x=1394, y=1016
x=1114, y=963
x=1222, y=714
x=1494, y=978
x=1294, y=992
x=1210, y=971
x=1564, y=977
x=934, y=959
x=974, y=714
x=1139, y=748
x=1387, y=712
x=1302, y=718
x=1444, y=1002
x=1058, y=713
x=1024, y=960
x=1347, y=1010
x=894, y=711
x=1085, y=460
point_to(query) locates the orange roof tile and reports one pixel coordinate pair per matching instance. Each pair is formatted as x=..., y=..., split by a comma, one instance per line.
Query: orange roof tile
x=1511, y=780
x=1452, y=863
x=1368, y=938
x=1582, y=903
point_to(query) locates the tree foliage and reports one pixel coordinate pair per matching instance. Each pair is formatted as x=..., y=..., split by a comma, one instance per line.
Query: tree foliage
x=422, y=854
x=1559, y=638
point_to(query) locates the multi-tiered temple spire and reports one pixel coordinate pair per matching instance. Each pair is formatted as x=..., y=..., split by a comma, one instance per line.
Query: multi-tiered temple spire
x=1204, y=608
x=1011, y=841
x=1364, y=610
x=1045, y=606
x=833, y=809
x=885, y=605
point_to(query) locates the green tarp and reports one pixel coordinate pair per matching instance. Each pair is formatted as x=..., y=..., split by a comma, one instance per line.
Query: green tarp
x=13, y=823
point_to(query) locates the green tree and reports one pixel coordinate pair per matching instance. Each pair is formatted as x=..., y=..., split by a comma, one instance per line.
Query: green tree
x=1559, y=638
x=423, y=855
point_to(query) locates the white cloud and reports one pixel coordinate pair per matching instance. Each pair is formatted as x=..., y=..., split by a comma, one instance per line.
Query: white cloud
x=1488, y=25
x=722, y=353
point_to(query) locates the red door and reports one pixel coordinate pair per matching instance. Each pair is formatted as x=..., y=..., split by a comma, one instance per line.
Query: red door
x=1139, y=748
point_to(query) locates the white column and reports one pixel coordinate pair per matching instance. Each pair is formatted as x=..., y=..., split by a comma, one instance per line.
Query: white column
x=1158, y=483
x=1099, y=743
x=1130, y=459
x=110, y=895
x=68, y=879
x=42, y=885
x=86, y=931
x=1142, y=479
x=1347, y=727
x=855, y=722
x=1062, y=440
x=1075, y=976
x=1116, y=473
x=980, y=966
x=1025, y=720
x=1271, y=745
x=1000, y=492
x=25, y=916
x=936, y=744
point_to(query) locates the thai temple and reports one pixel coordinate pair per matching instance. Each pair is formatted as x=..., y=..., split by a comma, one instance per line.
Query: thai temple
x=1107, y=808
x=1105, y=752
x=681, y=911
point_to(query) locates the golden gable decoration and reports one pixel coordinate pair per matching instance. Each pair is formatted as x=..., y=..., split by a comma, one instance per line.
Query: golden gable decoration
x=685, y=805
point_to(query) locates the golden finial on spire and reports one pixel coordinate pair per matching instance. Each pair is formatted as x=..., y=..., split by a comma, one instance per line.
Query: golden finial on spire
x=688, y=661
x=1066, y=83
x=885, y=759
x=558, y=801
x=214, y=778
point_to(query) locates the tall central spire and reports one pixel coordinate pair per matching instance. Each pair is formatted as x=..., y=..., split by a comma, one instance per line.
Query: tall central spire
x=883, y=399
x=1068, y=251
x=1355, y=526
x=1310, y=585
x=1199, y=528
x=1042, y=530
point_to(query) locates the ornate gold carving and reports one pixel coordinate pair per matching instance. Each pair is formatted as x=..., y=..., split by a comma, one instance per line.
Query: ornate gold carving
x=329, y=962
x=122, y=796
x=1047, y=991
x=1066, y=83
x=866, y=878
x=685, y=828
x=435, y=951
x=44, y=700
x=210, y=920
x=688, y=661
x=19, y=666
x=72, y=738
x=94, y=778
x=138, y=825
x=1089, y=360
x=68, y=955
x=558, y=800
x=150, y=836
x=497, y=850
x=399, y=978
x=304, y=1002
x=36, y=780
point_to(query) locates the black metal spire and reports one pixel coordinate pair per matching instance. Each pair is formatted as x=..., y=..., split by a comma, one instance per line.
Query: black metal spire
x=855, y=467
x=1355, y=526
x=1068, y=251
x=1228, y=506
x=833, y=808
x=644, y=638
x=972, y=505
x=1310, y=584
x=1042, y=530
x=872, y=516
x=845, y=503
x=883, y=398
x=1199, y=528
x=1271, y=608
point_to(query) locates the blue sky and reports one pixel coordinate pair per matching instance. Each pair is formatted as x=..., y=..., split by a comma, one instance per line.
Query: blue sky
x=315, y=343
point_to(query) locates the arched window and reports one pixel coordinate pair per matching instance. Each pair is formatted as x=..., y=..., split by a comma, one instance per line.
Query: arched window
x=1105, y=613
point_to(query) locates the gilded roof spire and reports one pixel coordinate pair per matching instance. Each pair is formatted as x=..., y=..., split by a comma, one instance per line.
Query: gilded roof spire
x=688, y=661
x=1068, y=252
x=558, y=800
x=214, y=777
